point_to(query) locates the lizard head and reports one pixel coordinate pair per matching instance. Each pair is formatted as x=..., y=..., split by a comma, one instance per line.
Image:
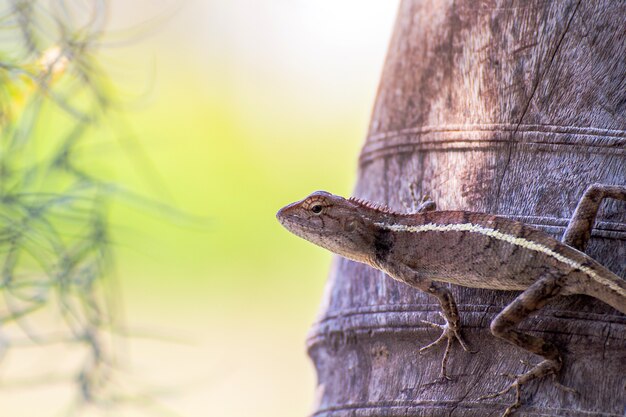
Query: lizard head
x=331, y=222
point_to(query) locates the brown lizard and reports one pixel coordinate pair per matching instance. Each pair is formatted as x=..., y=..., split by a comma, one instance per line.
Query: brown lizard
x=469, y=249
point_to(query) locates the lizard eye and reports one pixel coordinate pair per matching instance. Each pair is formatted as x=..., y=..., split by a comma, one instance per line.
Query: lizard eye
x=317, y=208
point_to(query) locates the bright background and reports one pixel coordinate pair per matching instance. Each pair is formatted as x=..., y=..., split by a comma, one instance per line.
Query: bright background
x=241, y=107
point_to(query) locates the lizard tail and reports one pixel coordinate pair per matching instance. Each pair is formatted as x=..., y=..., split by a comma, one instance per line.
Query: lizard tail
x=610, y=289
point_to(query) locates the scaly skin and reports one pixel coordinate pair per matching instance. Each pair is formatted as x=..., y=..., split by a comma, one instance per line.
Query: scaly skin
x=469, y=249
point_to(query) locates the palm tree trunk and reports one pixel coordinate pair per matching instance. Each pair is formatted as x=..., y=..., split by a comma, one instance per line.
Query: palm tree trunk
x=506, y=107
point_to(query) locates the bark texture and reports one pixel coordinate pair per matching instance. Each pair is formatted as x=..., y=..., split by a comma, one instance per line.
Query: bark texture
x=505, y=107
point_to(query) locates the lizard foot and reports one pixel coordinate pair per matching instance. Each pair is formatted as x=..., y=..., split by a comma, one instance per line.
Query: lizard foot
x=426, y=204
x=554, y=381
x=449, y=333
x=419, y=205
x=546, y=367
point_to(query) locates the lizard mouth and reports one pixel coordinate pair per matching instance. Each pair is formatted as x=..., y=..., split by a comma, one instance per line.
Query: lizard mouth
x=294, y=223
x=289, y=221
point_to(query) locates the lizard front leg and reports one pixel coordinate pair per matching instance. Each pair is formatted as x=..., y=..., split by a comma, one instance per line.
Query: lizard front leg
x=451, y=330
x=531, y=300
x=419, y=205
x=426, y=205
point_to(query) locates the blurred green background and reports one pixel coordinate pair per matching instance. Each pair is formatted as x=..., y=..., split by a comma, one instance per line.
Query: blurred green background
x=238, y=107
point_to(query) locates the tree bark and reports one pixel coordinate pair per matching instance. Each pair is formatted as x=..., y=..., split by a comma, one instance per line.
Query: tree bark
x=505, y=107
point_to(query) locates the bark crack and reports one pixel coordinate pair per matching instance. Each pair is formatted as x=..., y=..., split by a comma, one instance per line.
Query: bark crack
x=530, y=99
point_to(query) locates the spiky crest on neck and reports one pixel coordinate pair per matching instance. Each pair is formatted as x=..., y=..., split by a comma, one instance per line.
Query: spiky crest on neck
x=372, y=206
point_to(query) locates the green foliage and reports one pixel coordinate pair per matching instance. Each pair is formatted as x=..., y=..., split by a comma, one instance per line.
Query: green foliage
x=55, y=249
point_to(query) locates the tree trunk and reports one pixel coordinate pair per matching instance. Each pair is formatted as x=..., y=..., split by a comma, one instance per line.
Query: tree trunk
x=506, y=107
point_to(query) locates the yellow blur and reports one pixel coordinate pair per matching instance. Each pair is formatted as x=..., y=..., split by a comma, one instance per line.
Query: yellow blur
x=234, y=109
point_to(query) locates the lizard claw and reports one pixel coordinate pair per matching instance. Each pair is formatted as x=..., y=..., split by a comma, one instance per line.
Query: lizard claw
x=449, y=333
x=564, y=387
x=518, y=396
x=544, y=368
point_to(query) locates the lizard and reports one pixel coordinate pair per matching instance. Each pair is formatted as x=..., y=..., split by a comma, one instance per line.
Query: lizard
x=428, y=247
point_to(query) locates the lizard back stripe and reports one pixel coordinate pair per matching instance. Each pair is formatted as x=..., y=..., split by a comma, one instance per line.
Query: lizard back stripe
x=514, y=240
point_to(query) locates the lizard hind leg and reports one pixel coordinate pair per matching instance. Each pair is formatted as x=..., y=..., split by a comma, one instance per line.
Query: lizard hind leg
x=532, y=299
x=579, y=228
